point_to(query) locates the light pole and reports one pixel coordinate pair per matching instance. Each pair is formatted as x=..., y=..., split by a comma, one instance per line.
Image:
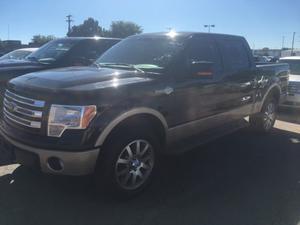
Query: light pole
x=293, y=42
x=283, y=42
x=209, y=26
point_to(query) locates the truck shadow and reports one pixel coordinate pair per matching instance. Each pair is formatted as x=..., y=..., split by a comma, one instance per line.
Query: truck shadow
x=240, y=179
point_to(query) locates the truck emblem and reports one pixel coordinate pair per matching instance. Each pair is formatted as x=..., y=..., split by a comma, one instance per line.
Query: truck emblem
x=12, y=106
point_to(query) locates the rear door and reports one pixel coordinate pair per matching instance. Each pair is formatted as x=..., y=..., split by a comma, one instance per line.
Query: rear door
x=238, y=78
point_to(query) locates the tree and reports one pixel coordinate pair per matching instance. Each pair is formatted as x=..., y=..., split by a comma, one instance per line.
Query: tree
x=89, y=28
x=123, y=29
x=39, y=40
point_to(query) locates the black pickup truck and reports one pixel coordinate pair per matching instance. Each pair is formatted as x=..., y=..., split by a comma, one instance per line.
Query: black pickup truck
x=147, y=95
x=63, y=52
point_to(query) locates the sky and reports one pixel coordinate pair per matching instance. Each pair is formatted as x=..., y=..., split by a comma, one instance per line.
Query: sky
x=262, y=22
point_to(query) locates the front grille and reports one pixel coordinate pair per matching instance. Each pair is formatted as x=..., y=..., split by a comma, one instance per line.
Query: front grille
x=294, y=88
x=23, y=111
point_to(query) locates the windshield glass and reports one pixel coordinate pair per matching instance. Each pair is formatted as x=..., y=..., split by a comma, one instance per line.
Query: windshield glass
x=18, y=54
x=294, y=66
x=146, y=53
x=52, y=51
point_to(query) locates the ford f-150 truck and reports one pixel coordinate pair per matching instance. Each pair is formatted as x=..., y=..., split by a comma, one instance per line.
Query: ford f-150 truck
x=147, y=95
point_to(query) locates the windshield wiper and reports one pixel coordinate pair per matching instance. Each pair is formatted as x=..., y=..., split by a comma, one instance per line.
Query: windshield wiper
x=131, y=66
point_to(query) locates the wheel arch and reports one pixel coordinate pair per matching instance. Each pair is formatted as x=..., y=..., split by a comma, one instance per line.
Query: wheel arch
x=147, y=114
x=274, y=90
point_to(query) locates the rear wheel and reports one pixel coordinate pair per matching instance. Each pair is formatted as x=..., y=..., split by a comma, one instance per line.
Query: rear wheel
x=128, y=162
x=265, y=120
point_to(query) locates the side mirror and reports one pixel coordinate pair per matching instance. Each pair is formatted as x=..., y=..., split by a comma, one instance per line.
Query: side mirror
x=201, y=68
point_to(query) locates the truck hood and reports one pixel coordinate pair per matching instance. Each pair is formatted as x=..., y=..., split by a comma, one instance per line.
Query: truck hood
x=294, y=78
x=78, y=79
x=11, y=64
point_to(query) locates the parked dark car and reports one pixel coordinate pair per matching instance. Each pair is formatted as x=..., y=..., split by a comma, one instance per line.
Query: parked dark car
x=64, y=52
x=18, y=54
x=149, y=94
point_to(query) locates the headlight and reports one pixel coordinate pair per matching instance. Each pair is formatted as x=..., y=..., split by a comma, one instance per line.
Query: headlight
x=63, y=117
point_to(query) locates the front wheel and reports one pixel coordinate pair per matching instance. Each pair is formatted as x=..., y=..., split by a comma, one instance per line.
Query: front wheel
x=265, y=120
x=128, y=163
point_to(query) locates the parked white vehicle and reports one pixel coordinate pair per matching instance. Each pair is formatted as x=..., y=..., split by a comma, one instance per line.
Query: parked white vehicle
x=293, y=97
x=18, y=54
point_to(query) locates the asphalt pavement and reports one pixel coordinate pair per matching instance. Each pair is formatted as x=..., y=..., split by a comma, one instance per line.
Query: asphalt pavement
x=241, y=179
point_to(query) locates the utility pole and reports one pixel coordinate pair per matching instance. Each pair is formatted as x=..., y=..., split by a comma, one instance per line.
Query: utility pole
x=283, y=39
x=209, y=26
x=69, y=21
x=8, y=32
x=293, y=42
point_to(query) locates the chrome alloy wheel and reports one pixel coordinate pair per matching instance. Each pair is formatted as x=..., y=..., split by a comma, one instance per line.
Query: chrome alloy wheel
x=269, y=116
x=135, y=164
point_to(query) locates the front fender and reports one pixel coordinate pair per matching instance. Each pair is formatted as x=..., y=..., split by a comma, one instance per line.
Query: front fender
x=108, y=128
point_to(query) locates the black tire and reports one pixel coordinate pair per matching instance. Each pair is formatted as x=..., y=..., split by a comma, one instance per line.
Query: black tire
x=107, y=167
x=264, y=121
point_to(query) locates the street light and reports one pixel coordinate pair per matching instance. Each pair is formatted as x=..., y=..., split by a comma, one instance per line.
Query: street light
x=209, y=26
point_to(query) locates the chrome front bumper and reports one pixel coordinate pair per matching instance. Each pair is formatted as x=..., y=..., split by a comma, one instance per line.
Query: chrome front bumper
x=73, y=163
x=292, y=101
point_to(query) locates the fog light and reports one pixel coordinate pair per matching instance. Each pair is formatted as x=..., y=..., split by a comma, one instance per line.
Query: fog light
x=55, y=164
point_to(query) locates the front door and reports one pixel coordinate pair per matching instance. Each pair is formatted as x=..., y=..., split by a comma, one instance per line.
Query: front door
x=197, y=93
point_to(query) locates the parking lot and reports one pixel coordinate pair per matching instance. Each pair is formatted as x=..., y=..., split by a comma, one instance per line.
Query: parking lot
x=243, y=178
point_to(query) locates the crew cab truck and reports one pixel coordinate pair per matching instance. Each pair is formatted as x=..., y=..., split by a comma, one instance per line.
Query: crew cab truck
x=149, y=94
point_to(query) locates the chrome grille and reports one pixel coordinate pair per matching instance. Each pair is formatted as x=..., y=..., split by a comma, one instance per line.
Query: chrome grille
x=294, y=88
x=22, y=110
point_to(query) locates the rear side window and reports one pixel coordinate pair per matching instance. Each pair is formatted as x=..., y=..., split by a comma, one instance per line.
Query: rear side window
x=235, y=55
x=92, y=49
x=204, y=49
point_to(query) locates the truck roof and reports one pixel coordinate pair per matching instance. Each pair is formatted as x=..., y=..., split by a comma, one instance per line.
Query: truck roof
x=89, y=38
x=188, y=34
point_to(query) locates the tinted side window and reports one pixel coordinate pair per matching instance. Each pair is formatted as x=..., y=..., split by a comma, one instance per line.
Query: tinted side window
x=90, y=50
x=204, y=49
x=235, y=54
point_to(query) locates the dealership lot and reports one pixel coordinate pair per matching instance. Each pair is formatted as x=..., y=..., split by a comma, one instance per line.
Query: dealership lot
x=243, y=178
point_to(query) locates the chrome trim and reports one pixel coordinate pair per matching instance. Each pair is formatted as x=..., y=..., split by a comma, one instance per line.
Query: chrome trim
x=143, y=110
x=10, y=116
x=24, y=100
x=35, y=114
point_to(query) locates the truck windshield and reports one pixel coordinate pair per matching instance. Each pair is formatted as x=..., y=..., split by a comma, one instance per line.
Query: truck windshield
x=144, y=53
x=294, y=66
x=52, y=51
